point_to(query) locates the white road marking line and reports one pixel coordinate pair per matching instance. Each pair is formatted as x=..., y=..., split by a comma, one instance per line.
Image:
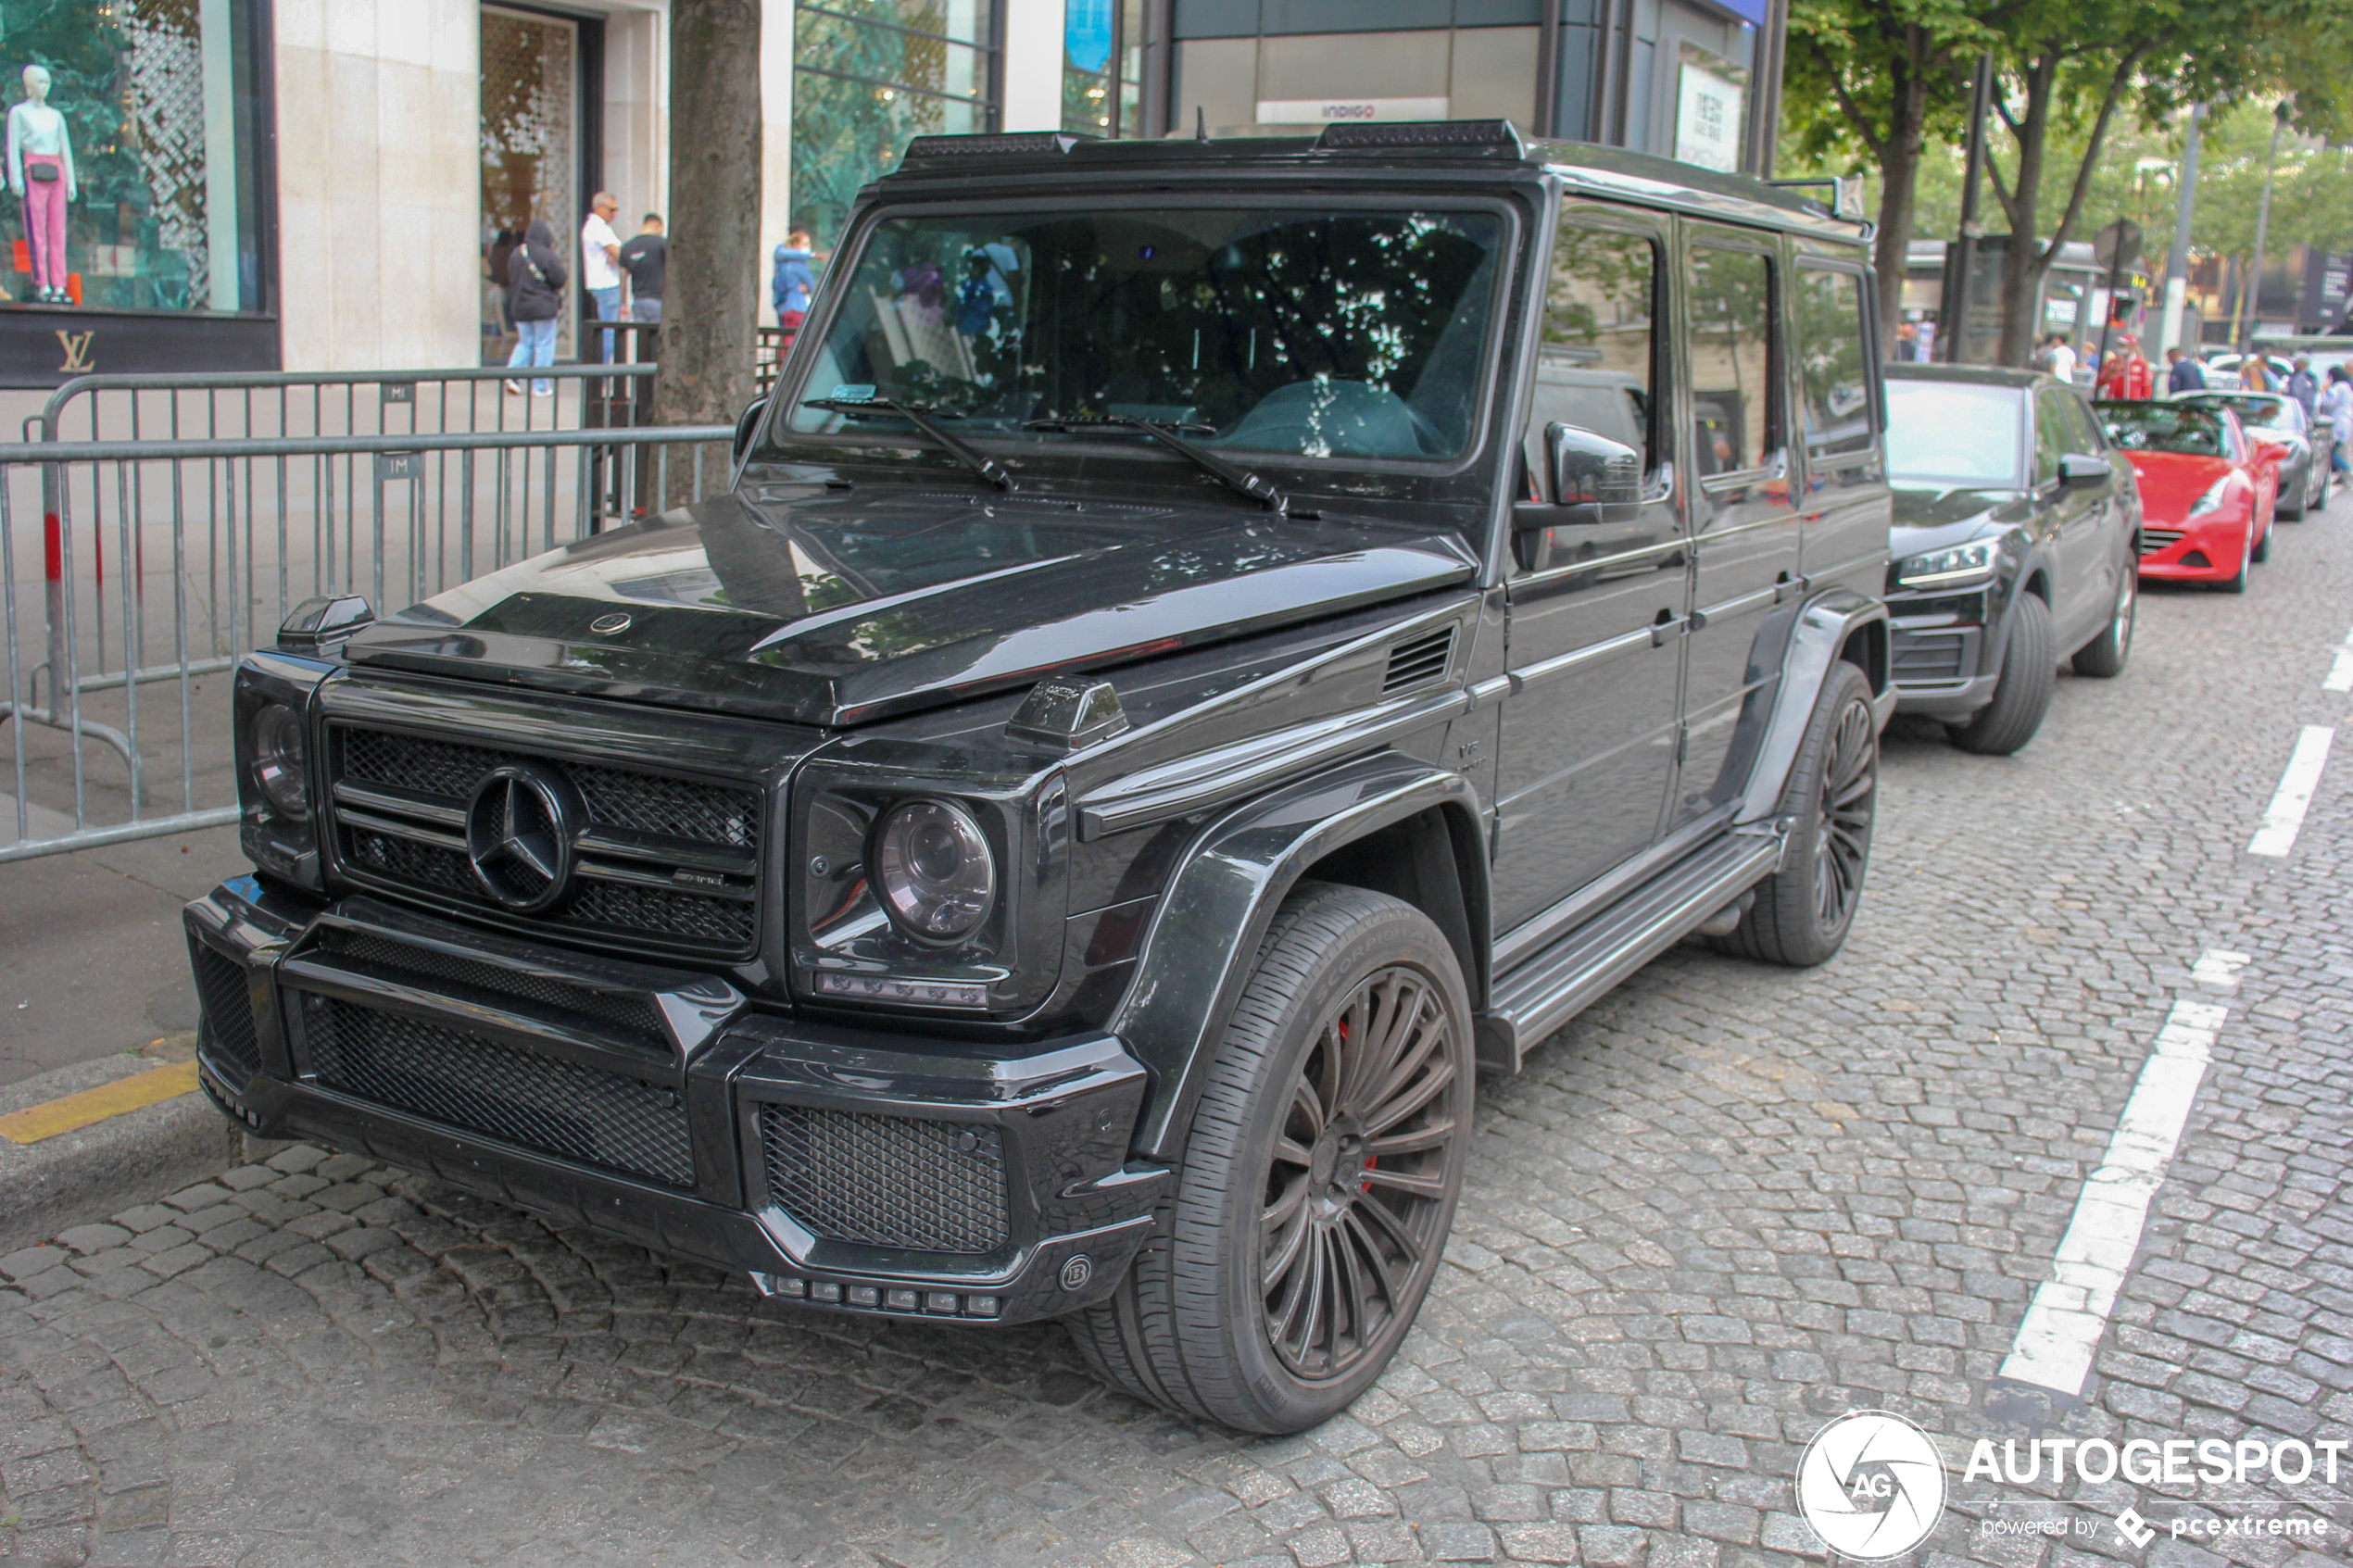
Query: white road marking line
x=2215, y=967
x=2284, y=817
x=2069, y=1312
x=2340, y=676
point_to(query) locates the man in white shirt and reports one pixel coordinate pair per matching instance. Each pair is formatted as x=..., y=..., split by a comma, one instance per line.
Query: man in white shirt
x=2062, y=360
x=601, y=261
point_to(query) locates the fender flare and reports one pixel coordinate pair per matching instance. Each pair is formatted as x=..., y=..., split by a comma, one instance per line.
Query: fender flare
x=1824, y=626
x=1201, y=947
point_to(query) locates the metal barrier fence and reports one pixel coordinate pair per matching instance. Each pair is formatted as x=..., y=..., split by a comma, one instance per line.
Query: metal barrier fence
x=161, y=562
x=202, y=405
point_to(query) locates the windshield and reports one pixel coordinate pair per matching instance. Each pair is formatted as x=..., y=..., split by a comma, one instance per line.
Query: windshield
x=2164, y=427
x=1953, y=433
x=2254, y=409
x=1333, y=333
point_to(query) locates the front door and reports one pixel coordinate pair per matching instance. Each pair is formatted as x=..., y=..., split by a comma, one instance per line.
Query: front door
x=2088, y=557
x=1597, y=593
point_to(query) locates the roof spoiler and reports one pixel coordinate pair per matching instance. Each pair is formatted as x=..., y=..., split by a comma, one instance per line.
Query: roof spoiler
x=1019, y=144
x=1446, y=135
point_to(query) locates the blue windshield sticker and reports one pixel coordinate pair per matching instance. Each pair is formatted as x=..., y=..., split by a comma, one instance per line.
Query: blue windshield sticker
x=855, y=392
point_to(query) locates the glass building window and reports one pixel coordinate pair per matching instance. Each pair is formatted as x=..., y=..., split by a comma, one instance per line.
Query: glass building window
x=1103, y=67
x=870, y=74
x=131, y=156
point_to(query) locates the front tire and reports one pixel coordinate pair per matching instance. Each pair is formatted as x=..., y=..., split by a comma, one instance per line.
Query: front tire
x=1319, y=1182
x=2023, y=691
x=2103, y=656
x=1801, y=912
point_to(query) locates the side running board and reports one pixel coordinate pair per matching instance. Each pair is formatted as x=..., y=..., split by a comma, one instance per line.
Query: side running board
x=1554, y=984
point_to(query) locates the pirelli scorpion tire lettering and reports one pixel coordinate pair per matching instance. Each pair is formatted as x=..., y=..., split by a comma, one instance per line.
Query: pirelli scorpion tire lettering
x=1318, y=1181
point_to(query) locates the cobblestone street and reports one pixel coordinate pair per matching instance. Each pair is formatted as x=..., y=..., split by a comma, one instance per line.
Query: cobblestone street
x=1727, y=1204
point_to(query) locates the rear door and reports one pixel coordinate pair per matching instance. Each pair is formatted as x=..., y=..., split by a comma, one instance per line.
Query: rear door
x=1744, y=523
x=1596, y=594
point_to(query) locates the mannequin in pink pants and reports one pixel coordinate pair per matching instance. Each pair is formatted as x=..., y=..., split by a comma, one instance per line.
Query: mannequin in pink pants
x=40, y=173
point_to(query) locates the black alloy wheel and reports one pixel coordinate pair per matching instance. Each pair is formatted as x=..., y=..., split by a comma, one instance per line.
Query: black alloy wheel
x=1318, y=1178
x=1849, y=790
x=1356, y=1189
x=1802, y=913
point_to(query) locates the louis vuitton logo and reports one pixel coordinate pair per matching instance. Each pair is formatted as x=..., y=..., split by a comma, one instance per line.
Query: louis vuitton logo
x=77, y=347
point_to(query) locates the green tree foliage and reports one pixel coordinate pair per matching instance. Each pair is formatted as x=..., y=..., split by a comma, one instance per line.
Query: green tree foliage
x=1870, y=84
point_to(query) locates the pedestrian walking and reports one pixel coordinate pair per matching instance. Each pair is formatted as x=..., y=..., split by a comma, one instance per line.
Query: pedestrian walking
x=2062, y=358
x=645, y=258
x=2183, y=373
x=2255, y=373
x=536, y=279
x=2302, y=384
x=794, y=283
x=600, y=262
x=2336, y=404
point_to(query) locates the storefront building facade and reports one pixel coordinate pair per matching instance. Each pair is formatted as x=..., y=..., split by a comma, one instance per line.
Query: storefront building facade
x=323, y=184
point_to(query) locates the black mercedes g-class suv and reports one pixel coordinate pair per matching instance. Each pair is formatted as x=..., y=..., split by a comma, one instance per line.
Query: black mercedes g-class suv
x=1209, y=646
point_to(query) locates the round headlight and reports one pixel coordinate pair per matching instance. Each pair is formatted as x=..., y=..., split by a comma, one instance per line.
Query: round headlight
x=934, y=869
x=277, y=759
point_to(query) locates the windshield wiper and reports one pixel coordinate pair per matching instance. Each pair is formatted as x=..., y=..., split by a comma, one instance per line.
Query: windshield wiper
x=922, y=416
x=1239, y=480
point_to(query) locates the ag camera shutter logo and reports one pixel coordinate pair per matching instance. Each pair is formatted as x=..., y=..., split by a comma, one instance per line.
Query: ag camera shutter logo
x=1871, y=1485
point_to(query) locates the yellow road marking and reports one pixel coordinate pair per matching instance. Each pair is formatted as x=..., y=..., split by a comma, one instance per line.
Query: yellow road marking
x=47, y=1121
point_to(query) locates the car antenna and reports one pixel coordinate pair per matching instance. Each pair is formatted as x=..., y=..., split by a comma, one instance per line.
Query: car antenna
x=1201, y=123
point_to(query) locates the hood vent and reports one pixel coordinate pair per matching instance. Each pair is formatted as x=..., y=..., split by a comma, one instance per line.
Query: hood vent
x=1423, y=659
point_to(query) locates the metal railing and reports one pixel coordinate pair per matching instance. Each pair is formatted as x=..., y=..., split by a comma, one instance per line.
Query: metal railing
x=209, y=406
x=162, y=561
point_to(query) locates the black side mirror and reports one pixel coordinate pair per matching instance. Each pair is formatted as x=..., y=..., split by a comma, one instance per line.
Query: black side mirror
x=748, y=425
x=2080, y=471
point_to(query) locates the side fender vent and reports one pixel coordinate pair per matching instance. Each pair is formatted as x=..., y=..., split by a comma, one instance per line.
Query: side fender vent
x=1423, y=659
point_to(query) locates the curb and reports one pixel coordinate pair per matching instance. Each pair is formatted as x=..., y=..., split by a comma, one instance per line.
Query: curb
x=112, y=1165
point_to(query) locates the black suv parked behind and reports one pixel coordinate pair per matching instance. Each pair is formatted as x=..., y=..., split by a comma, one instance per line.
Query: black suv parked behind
x=2017, y=544
x=1212, y=644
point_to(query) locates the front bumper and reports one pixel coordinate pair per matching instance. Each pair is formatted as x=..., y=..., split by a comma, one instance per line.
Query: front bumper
x=1944, y=652
x=852, y=1169
x=2205, y=550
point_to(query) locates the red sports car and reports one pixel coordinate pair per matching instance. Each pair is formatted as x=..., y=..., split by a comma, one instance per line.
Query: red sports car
x=2208, y=489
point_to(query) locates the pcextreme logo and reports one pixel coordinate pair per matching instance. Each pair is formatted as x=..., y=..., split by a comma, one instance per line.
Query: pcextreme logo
x=1871, y=1484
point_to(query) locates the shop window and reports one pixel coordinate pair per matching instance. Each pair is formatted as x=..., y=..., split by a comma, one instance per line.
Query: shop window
x=869, y=75
x=1103, y=66
x=132, y=163
x=530, y=153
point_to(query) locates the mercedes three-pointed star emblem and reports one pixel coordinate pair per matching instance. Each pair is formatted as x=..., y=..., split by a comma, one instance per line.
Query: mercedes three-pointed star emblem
x=520, y=829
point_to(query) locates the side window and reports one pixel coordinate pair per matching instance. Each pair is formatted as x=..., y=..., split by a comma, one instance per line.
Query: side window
x=1734, y=368
x=2051, y=436
x=1828, y=312
x=1596, y=361
x=2085, y=433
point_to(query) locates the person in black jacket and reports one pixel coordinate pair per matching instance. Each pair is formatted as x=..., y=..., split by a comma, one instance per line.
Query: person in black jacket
x=535, y=280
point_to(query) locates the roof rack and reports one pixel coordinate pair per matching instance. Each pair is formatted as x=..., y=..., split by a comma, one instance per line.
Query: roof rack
x=1450, y=134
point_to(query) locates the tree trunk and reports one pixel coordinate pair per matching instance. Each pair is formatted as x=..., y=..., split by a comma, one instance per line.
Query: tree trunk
x=1899, y=186
x=712, y=301
x=2023, y=264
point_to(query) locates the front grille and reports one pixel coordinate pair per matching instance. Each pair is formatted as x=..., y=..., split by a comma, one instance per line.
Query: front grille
x=886, y=1181
x=662, y=863
x=1929, y=656
x=632, y=1014
x=2153, y=539
x=227, y=1002
x=463, y=1080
